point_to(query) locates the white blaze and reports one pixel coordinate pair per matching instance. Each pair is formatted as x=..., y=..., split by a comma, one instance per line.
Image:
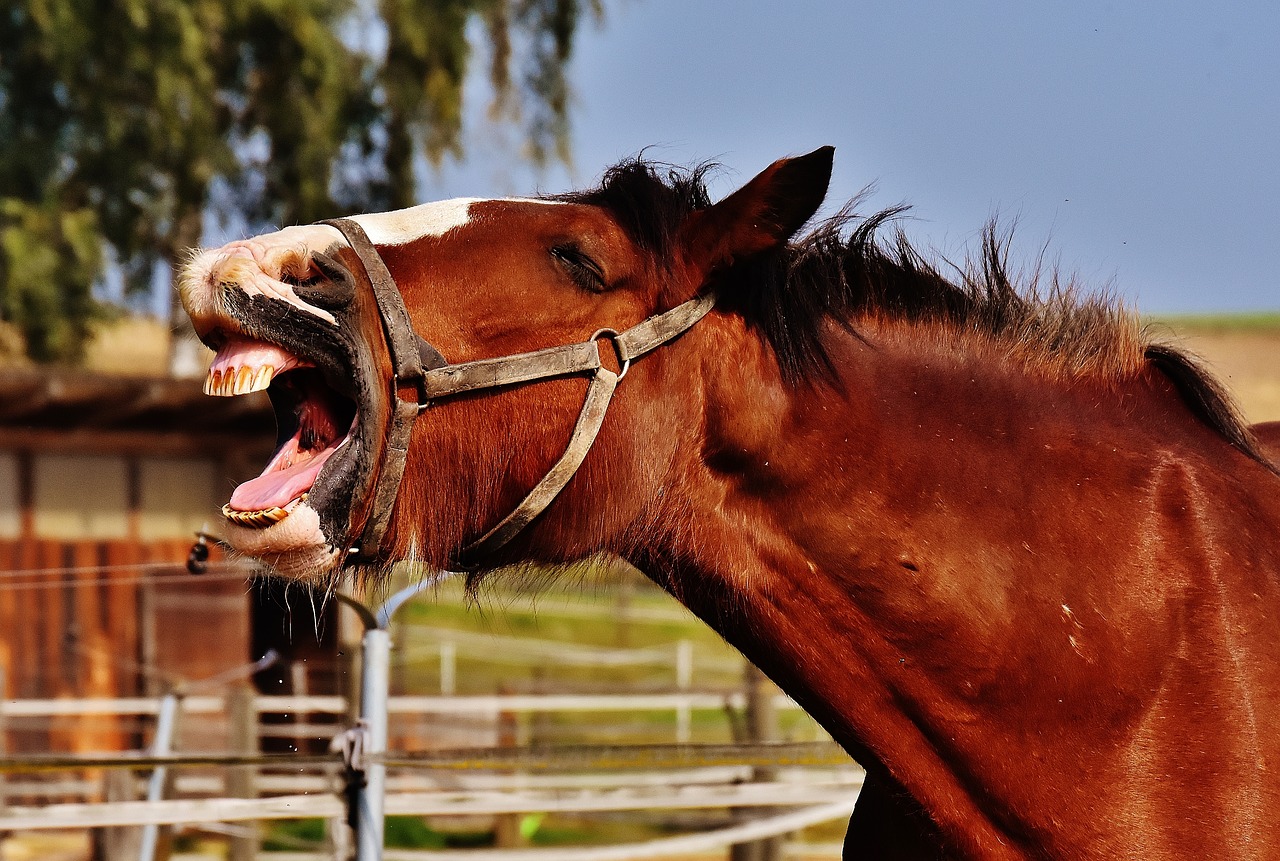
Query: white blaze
x=402, y=226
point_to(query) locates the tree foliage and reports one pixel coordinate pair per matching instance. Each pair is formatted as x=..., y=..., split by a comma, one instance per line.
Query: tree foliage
x=124, y=125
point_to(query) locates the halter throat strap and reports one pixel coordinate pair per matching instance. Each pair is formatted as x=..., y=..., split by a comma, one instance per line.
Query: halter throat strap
x=422, y=376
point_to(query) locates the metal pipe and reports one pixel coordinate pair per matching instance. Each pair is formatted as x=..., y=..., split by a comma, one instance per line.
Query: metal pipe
x=162, y=745
x=375, y=689
x=376, y=655
x=396, y=601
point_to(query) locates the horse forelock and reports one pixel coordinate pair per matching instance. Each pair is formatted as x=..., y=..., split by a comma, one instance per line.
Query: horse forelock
x=649, y=207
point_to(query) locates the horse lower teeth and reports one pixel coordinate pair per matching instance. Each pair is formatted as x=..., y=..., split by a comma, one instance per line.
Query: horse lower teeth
x=259, y=519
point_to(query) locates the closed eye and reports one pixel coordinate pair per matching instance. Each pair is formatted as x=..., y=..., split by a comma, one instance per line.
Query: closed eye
x=585, y=272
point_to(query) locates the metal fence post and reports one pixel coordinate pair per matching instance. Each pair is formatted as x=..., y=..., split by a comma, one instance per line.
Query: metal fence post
x=166, y=725
x=366, y=766
x=370, y=820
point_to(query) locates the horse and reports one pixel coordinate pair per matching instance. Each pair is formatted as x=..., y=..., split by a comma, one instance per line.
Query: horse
x=1018, y=558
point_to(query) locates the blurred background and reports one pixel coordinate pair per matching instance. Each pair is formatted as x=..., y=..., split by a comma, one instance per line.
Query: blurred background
x=1131, y=147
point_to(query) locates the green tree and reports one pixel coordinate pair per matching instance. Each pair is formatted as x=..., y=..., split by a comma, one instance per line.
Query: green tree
x=123, y=125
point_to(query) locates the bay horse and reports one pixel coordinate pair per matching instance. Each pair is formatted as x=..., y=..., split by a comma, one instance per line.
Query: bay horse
x=1017, y=558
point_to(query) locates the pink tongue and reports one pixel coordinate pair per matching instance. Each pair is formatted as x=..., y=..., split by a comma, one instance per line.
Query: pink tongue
x=242, y=352
x=276, y=488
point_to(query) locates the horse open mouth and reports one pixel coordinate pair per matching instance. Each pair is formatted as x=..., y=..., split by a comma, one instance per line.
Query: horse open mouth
x=313, y=421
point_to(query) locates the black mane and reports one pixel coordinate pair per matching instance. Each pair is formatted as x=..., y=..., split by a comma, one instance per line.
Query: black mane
x=844, y=271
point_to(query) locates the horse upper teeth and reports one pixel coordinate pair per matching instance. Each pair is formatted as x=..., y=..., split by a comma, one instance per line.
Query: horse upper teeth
x=238, y=380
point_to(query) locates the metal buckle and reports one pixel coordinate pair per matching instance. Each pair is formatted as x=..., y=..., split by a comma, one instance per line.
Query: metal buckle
x=624, y=364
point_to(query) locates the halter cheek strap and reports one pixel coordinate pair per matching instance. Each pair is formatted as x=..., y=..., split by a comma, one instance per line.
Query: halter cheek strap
x=409, y=355
x=422, y=372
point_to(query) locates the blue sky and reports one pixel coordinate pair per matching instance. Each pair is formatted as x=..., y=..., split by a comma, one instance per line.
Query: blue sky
x=1138, y=143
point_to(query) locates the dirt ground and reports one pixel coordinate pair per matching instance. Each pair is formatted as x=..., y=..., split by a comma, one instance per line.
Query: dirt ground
x=1247, y=360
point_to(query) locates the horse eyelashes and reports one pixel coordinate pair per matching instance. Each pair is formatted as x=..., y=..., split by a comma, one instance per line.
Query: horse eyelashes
x=585, y=272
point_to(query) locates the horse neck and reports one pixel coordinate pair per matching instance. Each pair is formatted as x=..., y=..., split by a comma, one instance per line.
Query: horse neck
x=869, y=544
x=811, y=507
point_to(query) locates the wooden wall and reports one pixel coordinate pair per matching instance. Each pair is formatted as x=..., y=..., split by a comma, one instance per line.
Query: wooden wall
x=110, y=619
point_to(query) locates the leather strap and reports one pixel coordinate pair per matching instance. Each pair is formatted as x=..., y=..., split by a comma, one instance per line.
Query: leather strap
x=511, y=370
x=649, y=334
x=402, y=340
x=407, y=356
x=560, y=362
x=594, y=406
x=566, y=360
x=387, y=488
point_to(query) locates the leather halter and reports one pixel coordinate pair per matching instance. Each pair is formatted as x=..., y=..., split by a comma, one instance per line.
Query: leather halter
x=422, y=376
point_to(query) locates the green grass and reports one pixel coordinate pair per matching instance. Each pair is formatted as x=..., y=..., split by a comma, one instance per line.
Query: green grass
x=400, y=832
x=593, y=620
x=1260, y=321
x=287, y=835
x=538, y=830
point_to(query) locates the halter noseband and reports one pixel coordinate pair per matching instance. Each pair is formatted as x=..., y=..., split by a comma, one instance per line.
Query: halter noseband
x=421, y=376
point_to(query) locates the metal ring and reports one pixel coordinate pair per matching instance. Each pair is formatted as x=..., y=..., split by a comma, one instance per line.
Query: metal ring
x=624, y=364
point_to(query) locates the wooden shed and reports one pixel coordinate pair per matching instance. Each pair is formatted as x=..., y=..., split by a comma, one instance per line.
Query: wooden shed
x=104, y=483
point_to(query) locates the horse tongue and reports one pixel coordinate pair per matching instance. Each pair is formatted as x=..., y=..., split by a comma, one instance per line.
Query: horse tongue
x=238, y=351
x=276, y=488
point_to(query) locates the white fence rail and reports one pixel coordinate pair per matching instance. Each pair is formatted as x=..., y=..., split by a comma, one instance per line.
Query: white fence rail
x=667, y=847
x=434, y=705
x=331, y=806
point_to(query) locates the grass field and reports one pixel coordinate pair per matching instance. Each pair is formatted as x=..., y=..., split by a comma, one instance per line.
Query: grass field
x=621, y=614
x=1261, y=321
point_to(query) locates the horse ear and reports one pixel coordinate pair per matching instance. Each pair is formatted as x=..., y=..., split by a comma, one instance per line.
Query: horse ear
x=761, y=215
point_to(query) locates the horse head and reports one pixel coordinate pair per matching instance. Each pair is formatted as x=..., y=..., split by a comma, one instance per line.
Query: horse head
x=299, y=312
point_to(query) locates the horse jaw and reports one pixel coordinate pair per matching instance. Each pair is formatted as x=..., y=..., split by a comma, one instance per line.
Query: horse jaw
x=296, y=547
